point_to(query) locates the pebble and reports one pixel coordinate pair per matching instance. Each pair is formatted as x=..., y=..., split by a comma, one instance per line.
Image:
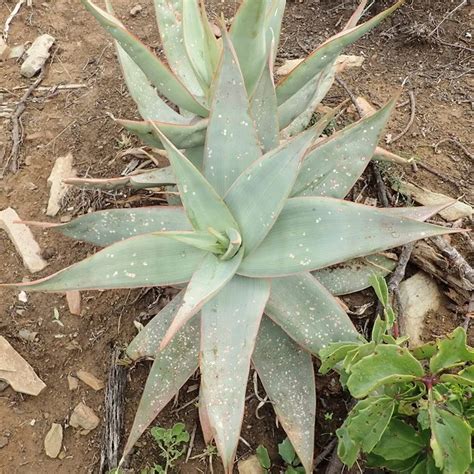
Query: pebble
x=54, y=441
x=27, y=335
x=90, y=380
x=3, y=441
x=84, y=417
x=62, y=170
x=251, y=465
x=136, y=10
x=37, y=55
x=72, y=383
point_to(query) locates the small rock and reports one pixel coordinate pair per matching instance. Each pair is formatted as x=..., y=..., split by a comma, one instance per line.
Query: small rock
x=3, y=385
x=17, y=372
x=48, y=253
x=3, y=441
x=23, y=297
x=23, y=240
x=84, y=417
x=90, y=380
x=65, y=219
x=54, y=441
x=73, y=299
x=37, y=55
x=72, y=383
x=419, y=296
x=251, y=465
x=62, y=170
x=136, y=10
x=27, y=335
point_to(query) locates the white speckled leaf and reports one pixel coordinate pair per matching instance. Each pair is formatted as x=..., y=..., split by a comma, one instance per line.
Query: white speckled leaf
x=143, y=261
x=181, y=135
x=203, y=205
x=171, y=369
x=229, y=326
x=316, y=232
x=325, y=55
x=155, y=70
x=231, y=141
x=334, y=165
x=147, y=342
x=258, y=195
x=169, y=16
x=249, y=37
x=353, y=275
x=286, y=372
x=308, y=313
x=103, y=228
x=264, y=110
x=196, y=44
x=273, y=21
x=150, y=105
x=208, y=279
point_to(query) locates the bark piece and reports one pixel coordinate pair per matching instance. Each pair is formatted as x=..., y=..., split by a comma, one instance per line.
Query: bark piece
x=17, y=372
x=23, y=240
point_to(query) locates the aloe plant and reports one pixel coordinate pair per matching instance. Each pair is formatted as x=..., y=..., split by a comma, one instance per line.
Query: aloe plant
x=261, y=221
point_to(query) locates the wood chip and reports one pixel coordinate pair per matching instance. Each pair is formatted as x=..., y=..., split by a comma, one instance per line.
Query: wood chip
x=72, y=383
x=90, y=380
x=17, y=372
x=73, y=299
x=62, y=170
x=53, y=441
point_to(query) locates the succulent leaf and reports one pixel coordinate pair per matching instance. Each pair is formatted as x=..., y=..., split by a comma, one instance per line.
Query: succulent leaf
x=354, y=275
x=308, y=313
x=248, y=34
x=146, y=343
x=171, y=369
x=203, y=206
x=209, y=278
x=333, y=166
x=273, y=21
x=103, y=228
x=231, y=141
x=286, y=372
x=303, y=237
x=201, y=240
x=264, y=110
x=170, y=16
x=229, y=326
x=150, y=105
x=181, y=135
x=155, y=70
x=258, y=195
x=325, y=55
x=143, y=261
x=196, y=42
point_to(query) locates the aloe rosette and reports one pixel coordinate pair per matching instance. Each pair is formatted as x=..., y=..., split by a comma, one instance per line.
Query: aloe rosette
x=257, y=245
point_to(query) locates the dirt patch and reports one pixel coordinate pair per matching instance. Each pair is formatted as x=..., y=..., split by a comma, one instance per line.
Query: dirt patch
x=438, y=70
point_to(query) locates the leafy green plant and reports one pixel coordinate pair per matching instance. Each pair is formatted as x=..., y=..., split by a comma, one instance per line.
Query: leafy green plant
x=263, y=226
x=287, y=454
x=415, y=410
x=172, y=444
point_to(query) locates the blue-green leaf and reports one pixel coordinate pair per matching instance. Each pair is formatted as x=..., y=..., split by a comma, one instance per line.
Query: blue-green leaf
x=229, y=326
x=317, y=232
x=203, y=205
x=286, y=372
x=308, y=313
x=231, y=141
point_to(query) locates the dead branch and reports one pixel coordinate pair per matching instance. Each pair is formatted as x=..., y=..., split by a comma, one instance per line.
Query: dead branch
x=114, y=410
x=325, y=452
x=17, y=131
x=460, y=145
x=353, y=98
x=12, y=15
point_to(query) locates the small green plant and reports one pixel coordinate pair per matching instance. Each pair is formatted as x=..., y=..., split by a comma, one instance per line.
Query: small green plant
x=287, y=454
x=415, y=410
x=172, y=444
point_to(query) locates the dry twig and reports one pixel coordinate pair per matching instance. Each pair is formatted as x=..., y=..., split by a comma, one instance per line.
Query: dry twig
x=8, y=21
x=17, y=129
x=411, y=95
